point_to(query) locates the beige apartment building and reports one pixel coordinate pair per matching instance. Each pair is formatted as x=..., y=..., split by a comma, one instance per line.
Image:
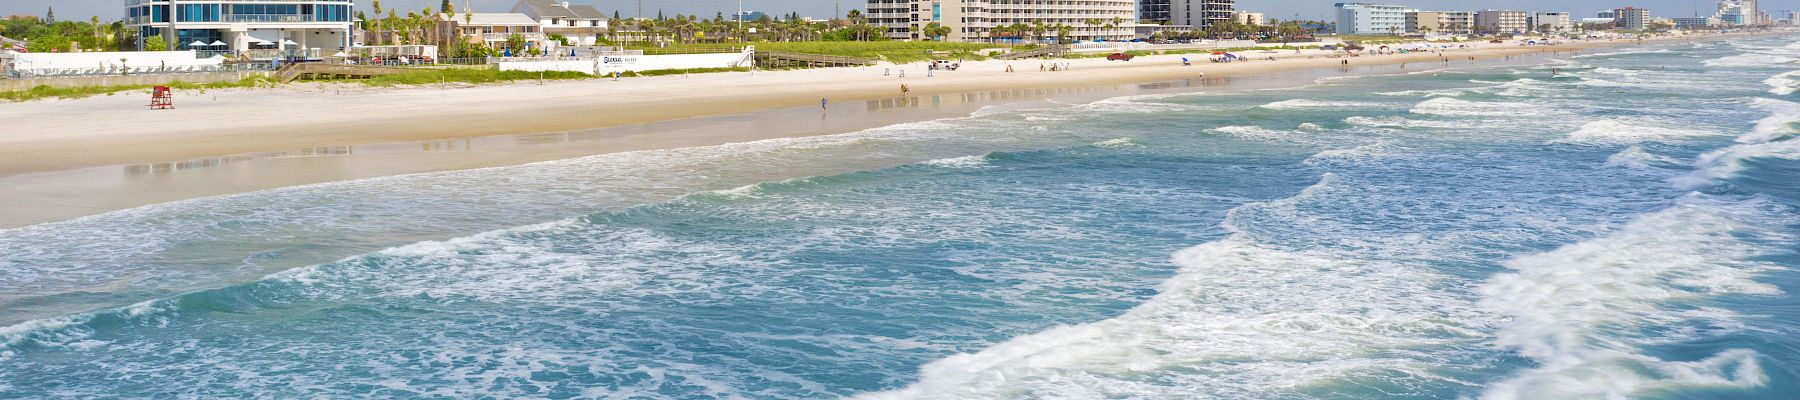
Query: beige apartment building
x=1502, y=21
x=976, y=20
x=1440, y=22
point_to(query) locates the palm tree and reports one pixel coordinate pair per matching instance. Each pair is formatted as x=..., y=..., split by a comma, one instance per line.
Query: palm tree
x=1062, y=32
x=1038, y=29
x=934, y=31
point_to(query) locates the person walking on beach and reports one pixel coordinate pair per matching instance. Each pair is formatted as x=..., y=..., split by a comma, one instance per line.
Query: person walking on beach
x=821, y=103
x=904, y=89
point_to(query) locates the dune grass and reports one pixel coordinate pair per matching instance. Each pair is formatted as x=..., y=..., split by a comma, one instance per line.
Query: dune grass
x=45, y=91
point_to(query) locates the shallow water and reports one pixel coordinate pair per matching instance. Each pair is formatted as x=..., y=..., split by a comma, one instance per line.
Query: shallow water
x=1626, y=227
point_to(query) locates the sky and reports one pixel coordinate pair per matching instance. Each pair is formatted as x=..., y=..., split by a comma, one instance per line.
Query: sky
x=1279, y=9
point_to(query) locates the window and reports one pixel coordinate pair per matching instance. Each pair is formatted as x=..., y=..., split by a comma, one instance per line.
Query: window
x=197, y=13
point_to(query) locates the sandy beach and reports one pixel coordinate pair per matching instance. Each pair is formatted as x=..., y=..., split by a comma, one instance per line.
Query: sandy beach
x=42, y=164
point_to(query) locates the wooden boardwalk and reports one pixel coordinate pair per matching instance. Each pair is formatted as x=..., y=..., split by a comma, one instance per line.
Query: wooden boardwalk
x=779, y=59
x=298, y=71
x=1050, y=51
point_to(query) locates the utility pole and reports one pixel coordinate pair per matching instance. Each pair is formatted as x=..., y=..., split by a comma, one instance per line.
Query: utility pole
x=740, y=18
x=836, y=9
x=640, y=9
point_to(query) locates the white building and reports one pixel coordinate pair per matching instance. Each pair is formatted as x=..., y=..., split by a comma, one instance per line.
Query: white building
x=1550, y=22
x=495, y=29
x=987, y=20
x=1371, y=19
x=1195, y=14
x=1249, y=18
x=291, y=28
x=1501, y=21
x=1631, y=19
x=583, y=25
x=1738, y=12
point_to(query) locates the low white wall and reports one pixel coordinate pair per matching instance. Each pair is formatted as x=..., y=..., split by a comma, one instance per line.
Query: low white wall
x=133, y=59
x=606, y=65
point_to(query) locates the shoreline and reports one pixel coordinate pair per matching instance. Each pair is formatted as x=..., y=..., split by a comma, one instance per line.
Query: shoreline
x=59, y=174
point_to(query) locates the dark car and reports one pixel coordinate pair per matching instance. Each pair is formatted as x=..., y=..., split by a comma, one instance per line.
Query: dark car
x=1119, y=57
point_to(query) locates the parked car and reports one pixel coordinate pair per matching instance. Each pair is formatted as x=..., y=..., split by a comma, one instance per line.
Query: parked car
x=1119, y=57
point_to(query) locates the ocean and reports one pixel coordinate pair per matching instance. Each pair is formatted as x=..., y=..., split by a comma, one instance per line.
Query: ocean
x=1623, y=223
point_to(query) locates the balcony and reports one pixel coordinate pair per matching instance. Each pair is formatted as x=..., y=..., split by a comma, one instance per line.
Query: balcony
x=501, y=37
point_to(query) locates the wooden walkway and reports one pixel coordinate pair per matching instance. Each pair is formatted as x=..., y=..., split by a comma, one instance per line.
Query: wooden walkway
x=1050, y=51
x=779, y=59
x=298, y=71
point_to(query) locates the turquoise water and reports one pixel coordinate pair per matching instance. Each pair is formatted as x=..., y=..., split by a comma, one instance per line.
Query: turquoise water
x=1626, y=228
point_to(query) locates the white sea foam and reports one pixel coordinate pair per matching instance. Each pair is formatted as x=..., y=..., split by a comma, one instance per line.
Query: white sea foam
x=965, y=162
x=1310, y=104
x=1625, y=52
x=1583, y=312
x=1636, y=157
x=1256, y=133
x=1770, y=138
x=1751, y=60
x=1358, y=152
x=1443, y=106
x=1119, y=143
x=1784, y=84
x=1399, y=122
x=1428, y=93
x=1240, y=319
x=1620, y=131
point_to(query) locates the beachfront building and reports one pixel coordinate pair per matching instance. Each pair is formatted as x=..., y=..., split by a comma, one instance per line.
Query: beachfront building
x=1249, y=18
x=988, y=20
x=493, y=30
x=261, y=28
x=1631, y=18
x=1501, y=22
x=1551, y=22
x=1371, y=19
x=1440, y=23
x=1193, y=14
x=1738, y=12
x=583, y=25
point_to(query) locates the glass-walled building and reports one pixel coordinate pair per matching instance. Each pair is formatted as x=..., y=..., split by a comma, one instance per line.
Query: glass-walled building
x=303, y=28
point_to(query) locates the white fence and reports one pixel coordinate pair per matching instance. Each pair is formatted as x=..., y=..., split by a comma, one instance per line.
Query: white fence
x=608, y=64
x=111, y=60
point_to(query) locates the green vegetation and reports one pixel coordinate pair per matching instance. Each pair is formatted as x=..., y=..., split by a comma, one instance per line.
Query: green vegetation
x=45, y=92
x=467, y=75
x=48, y=35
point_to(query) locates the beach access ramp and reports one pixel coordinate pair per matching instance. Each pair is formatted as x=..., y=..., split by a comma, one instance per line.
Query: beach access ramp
x=1050, y=51
x=782, y=59
x=298, y=71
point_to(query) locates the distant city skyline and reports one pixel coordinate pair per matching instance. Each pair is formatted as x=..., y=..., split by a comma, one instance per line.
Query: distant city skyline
x=1277, y=9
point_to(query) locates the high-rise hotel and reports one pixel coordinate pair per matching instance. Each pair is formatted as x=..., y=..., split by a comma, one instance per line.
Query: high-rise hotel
x=986, y=20
x=230, y=26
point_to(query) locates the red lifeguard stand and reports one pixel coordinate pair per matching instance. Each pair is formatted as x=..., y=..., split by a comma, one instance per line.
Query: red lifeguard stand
x=161, y=98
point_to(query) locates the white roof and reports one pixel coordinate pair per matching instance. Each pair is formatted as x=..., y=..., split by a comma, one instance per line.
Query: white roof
x=498, y=19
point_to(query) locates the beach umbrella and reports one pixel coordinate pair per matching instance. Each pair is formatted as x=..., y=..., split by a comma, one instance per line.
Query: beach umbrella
x=217, y=43
x=286, y=42
x=197, y=43
x=264, y=43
